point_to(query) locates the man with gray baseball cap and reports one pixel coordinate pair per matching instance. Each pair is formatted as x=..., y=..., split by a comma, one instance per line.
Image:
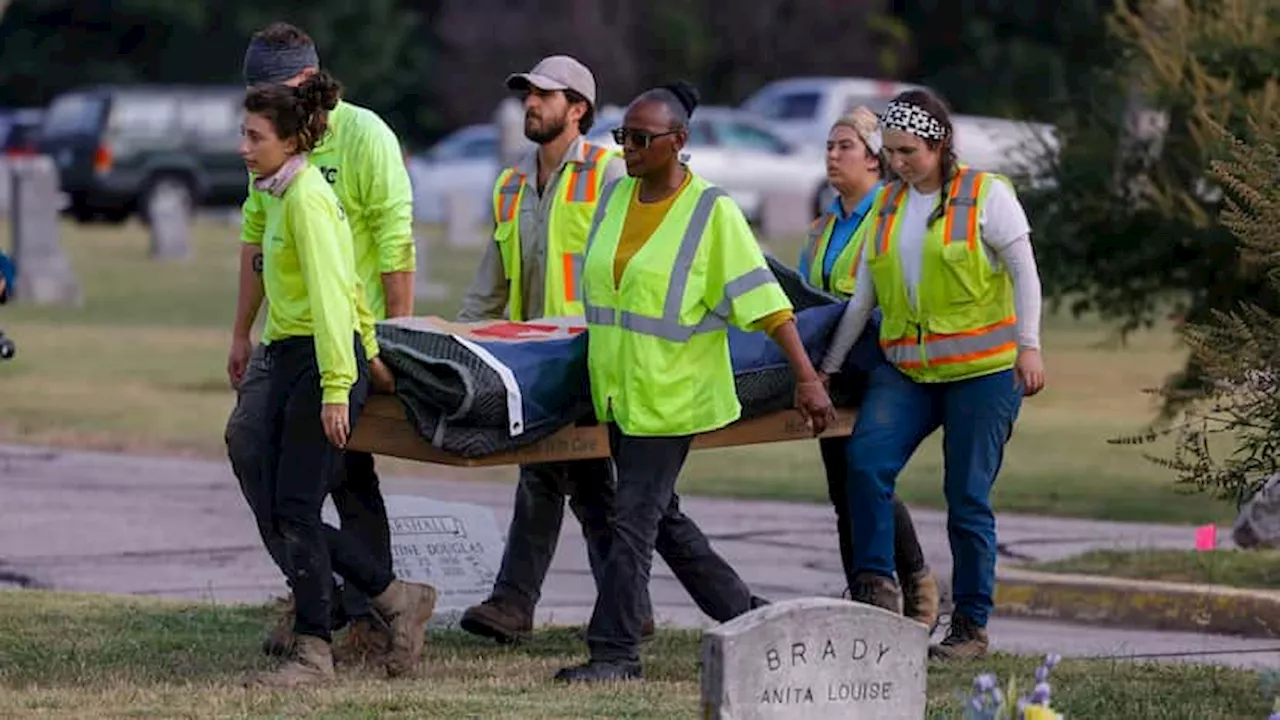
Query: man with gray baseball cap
x=542, y=207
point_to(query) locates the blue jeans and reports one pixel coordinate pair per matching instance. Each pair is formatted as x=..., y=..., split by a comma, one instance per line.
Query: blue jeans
x=897, y=414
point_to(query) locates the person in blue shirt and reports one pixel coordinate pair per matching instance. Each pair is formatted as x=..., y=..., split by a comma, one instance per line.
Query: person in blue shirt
x=828, y=262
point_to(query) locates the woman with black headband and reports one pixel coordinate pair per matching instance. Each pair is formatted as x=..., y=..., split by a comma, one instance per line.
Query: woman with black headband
x=671, y=262
x=948, y=260
x=319, y=340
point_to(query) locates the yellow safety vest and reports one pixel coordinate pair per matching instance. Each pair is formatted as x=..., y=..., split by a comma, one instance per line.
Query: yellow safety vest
x=844, y=270
x=657, y=342
x=571, y=210
x=963, y=324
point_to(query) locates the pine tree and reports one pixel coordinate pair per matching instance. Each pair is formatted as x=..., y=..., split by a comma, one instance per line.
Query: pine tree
x=1237, y=351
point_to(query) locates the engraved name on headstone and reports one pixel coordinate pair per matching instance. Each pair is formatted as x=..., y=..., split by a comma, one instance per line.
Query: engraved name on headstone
x=456, y=547
x=815, y=658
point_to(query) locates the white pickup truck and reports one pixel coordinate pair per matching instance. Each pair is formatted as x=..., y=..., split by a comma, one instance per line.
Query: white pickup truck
x=804, y=108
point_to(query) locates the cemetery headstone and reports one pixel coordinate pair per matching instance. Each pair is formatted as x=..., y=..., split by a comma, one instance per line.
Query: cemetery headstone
x=455, y=547
x=815, y=658
x=169, y=215
x=461, y=214
x=45, y=276
x=6, y=187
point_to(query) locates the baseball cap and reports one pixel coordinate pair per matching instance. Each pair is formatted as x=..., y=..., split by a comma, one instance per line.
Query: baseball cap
x=557, y=72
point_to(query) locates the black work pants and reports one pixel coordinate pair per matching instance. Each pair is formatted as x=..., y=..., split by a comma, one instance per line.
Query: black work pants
x=300, y=467
x=646, y=516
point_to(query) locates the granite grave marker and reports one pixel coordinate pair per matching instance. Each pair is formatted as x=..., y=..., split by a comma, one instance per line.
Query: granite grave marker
x=815, y=658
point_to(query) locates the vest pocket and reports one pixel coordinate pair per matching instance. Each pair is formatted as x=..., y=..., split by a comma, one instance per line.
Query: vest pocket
x=505, y=235
x=960, y=274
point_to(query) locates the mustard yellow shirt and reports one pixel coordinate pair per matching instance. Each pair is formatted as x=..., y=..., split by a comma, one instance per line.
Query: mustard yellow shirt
x=642, y=220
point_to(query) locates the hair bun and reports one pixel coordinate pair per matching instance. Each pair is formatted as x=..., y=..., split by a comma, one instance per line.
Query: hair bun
x=686, y=93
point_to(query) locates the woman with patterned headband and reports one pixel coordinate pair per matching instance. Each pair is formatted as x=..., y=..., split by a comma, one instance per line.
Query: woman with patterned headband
x=947, y=258
x=856, y=170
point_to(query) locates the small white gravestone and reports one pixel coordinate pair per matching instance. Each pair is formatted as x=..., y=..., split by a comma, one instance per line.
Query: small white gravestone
x=455, y=547
x=461, y=220
x=815, y=658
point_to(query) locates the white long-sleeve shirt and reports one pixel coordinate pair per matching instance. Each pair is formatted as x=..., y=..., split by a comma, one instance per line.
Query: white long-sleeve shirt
x=1006, y=238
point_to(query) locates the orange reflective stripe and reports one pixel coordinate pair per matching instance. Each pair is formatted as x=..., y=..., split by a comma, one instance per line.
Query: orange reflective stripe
x=509, y=196
x=887, y=217
x=583, y=181
x=953, y=348
x=572, y=265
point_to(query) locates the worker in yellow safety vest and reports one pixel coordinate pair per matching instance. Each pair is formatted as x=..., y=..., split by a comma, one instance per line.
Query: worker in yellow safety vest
x=948, y=260
x=542, y=210
x=670, y=264
x=855, y=169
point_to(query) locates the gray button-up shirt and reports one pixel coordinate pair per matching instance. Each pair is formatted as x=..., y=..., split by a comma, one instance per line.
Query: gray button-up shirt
x=486, y=298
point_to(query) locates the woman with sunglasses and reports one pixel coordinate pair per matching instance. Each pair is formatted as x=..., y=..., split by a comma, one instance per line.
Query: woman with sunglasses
x=856, y=170
x=671, y=262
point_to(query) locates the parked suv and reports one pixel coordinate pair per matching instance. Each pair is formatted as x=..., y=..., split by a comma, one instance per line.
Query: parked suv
x=122, y=149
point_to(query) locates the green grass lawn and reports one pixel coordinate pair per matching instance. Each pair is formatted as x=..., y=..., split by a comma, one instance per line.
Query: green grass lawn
x=92, y=656
x=1236, y=568
x=141, y=367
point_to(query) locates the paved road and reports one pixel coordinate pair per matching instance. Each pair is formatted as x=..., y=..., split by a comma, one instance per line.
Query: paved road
x=178, y=528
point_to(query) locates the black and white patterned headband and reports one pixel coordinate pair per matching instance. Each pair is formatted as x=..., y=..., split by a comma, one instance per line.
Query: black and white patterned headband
x=913, y=119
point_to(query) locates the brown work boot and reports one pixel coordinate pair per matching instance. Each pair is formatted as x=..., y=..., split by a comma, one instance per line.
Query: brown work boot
x=499, y=618
x=366, y=642
x=920, y=598
x=279, y=641
x=312, y=663
x=406, y=607
x=878, y=590
x=966, y=640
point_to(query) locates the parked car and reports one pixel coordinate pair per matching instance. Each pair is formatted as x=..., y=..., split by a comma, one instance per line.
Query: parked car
x=804, y=108
x=728, y=147
x=123, y=149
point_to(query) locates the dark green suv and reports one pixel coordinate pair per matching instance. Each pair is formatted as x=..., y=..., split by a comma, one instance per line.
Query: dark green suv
x=121, y=149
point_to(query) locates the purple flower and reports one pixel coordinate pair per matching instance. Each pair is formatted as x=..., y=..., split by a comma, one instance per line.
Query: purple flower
x=1051, y=660
x=984, y=682
x=976, y=703
x=1022, y=704
x=1274, y=716
x=1040, y=695
x=1042, y=673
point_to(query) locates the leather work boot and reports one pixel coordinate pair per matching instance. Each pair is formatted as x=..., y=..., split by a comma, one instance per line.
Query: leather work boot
x=920, y=598
x=366, y=642
x=279, y=641
x=966, y=640
x=311, y=664
x=406, y=607
x=499, y=618
x=877, y=590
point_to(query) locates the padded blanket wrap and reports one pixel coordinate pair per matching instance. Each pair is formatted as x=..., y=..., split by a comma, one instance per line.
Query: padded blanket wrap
x=480, y=388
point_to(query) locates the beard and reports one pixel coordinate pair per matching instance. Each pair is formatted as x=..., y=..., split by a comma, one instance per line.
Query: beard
x=543, y=130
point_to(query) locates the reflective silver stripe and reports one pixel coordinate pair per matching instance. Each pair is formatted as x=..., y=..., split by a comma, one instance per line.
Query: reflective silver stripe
x=575, y=283
x=740, y=286
x=969, y=344
x=951, y=347
x=668, y=327
x=962, y=207
x=510, y=187
x=815, y=236
x=683, y=266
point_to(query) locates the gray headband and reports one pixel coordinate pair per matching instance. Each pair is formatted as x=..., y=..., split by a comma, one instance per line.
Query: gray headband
x=264, y=63
x=913, y=119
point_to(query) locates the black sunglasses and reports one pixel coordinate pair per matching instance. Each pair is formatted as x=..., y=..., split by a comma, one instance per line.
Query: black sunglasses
x=642, y=138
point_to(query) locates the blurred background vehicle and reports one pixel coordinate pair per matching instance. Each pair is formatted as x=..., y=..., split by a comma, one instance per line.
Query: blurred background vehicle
x=120, y=149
